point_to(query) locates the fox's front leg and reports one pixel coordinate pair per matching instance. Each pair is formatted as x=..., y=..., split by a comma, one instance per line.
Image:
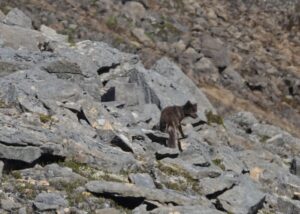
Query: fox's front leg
x=181, y=131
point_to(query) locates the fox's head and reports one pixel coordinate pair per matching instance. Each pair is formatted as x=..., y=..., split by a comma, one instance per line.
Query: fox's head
x=190, y=109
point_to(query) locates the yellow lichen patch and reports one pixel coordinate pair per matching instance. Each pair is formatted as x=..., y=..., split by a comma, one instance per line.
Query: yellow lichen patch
x=255, y=173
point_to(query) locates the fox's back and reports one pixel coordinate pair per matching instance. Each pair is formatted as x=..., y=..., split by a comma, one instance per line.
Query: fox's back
x=171, y=115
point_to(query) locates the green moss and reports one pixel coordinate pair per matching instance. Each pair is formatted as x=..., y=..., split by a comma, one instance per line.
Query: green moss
x=27, y=190
x=190, y=182
x=3, y=104
x=264, y=138
x=94, y=174
x=16, y=174
x=45, y=118
x=219, y=163
x=112, y=22
x=214, y=118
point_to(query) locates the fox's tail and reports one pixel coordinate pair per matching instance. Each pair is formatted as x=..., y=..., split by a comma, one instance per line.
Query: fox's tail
x=172, y=137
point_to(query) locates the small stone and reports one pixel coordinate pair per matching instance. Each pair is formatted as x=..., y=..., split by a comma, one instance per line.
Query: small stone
x=49, y=201
x=142, y=179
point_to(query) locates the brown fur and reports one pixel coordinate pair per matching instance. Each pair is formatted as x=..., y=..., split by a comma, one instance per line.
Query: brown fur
x=171, y=118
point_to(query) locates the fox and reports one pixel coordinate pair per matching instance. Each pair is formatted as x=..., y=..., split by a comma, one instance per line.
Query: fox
x=170, y=120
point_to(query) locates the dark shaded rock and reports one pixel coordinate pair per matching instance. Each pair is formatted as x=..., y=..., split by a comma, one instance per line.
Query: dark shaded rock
x=166, y=153
x=17, y=17
x=123, y=142
x=142, y=179
x=49, y=201
x=295, y=166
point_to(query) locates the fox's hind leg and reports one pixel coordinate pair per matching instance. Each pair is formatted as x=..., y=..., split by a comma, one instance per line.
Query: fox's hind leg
x=172, y=141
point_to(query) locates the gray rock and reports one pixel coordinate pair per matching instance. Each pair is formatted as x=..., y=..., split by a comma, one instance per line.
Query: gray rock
x=215, y=49
x=52, y=35
x=2, y=16
x=108, y=211
x=49, y=201
x=17, y=37
x=9, y=205
x=142, y=179
x=212, y=187
x=134, y=191
x=186, y=209
x=288, y=206
x=27, y=154
x=1, y=168
x=295, y=166
x=243, y=198
x=22, y=210
x=17, y=17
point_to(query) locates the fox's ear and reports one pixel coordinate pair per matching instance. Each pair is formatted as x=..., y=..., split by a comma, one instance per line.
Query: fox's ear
x=195, y=105
x=188, y=103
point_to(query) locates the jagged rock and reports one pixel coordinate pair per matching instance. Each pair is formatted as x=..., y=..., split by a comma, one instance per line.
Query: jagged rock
x=288, y=206
x=243, y=198
x=103, y=55
x=295, y=166
x=52, y=35
x=17, y=17
x=17, y=37
x=186, y=209
x=49, y=201
x=123, y=142
x=183, y=87
x=142, y=179
x=212, y=187
x=142, y=193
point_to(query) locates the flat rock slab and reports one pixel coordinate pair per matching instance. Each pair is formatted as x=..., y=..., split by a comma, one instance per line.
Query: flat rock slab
x=185, y=209
x=214, y=186
x=49, y=201
x=244, y=198
x=134, y=191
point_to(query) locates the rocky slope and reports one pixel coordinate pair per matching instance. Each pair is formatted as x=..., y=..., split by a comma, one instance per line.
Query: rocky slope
x=244, y=54
x=77, y=134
